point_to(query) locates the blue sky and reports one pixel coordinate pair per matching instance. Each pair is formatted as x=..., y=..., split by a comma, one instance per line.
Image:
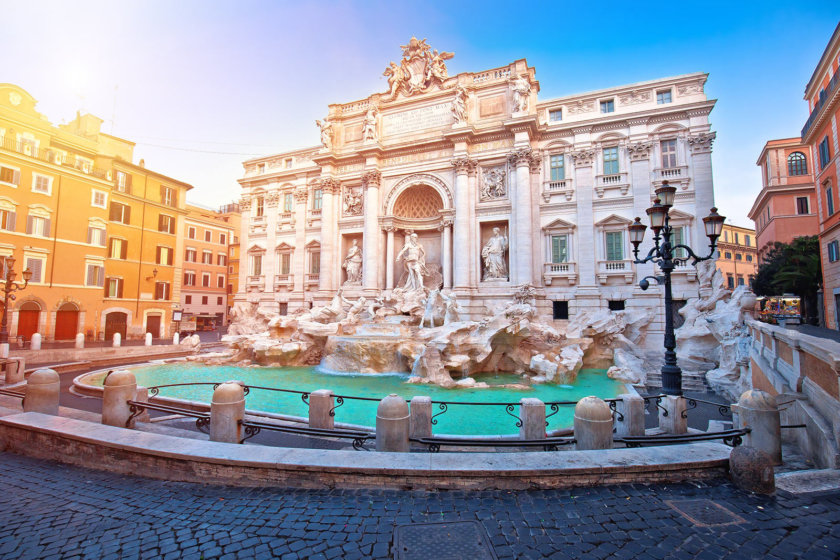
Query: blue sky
x=201, y=85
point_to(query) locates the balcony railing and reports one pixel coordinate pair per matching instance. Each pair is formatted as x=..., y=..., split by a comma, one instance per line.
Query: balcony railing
x=284, y=281
x=255, y=279
x=312, y=278
x=670, y=173
x=832, y=85
x=564, y=271
x=50, y=156
x=607, y=269
x=612, y=181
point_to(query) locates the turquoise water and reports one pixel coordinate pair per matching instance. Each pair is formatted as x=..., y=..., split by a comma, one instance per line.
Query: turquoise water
x=458, y=419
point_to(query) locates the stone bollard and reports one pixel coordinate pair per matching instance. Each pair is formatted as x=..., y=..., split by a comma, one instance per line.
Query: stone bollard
x=593, y=424
x=120, y=387
x=117, y=340
x=4, y=350
x=35, y=342
x=227, y=410
x=14, y=371
x=148, y=339
x=392, y=424
x=752, y=470
x=421, y=417
x=630, y=415
x=321, y=402
x=80, y=341
x=42, y=390
x=758, y=411
x=176, y=339
x=673, y=422
x=142, y=395
x=532, y=416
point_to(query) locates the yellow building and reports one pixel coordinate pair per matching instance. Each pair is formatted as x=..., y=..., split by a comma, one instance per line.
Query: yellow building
x=99, y=233
x=738, y=259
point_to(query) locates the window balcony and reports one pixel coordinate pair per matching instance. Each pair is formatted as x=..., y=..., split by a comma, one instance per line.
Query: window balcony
x=619, y=181
x=563, y=186
x=682, y=269
x=258, y=229
x=284, y=281
x=565, y=271
x=255, y=283
x=312, y=278
x=612, y=269
x=674, y=175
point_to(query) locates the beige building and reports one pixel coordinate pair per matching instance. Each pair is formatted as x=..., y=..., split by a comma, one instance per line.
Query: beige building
x=738, y=260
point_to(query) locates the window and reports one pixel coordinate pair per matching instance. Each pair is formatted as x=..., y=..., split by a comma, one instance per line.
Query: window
x=189, y=278
x=208, y=236
x=747, y=240
x=288, y=202
x=829, y=199
x=615, y=305
x=168, y=196
x=610, y=161
x=191, y=232
x=315, y=262
x=166, y=224
x=256, y=265
x=317, y=199
x=802, y=205
x=123, y=182
x=189, y=255
x=9, y=176
x=678, y=238
x=164, y=255
x=222, y=239
x=98, y=199
x=38, y=225
x=555, y=115
x=260, y=168
x=259, y=207
x=749, y=258
x=95, y=275
x=204, y=300
x=730, y=282
x=41, y=183
x=221, y=260
x=220, y=281
x=120, y=213
x=206, y=257
x=284, y=308
x=113, y=287
x=608, y=106
x=727, y=255
x=7, y=220
x=285, y=262
x=797, y=164
x=220, y=300
x=118, y=248
x=36, y=265
x=615, y=245
x=739, y=257
x=187, y=300
x=559, y=248
x=833, y=251
x=663, y=97
x=287, y=163
x=825, y=153
x=669, y=153
x=205, y=280
x=161, y=290
x=560, y=309
x=557, y=164
x=740, y=280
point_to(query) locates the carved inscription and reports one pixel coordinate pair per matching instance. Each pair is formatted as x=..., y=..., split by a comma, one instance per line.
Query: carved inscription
x=490, y=106
x=433, y=116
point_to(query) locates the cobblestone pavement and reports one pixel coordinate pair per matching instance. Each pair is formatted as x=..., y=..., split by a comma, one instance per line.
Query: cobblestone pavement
x=55, y=511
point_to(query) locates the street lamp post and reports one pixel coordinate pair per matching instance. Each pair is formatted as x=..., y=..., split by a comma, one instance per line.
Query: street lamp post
x=664, y=255
x=10, y=286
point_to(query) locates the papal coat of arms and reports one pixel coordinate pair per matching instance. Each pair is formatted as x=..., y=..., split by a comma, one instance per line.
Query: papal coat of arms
x=420, y=69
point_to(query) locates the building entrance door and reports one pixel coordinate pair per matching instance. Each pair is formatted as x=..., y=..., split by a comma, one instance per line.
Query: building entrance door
x=115, y=322
x=28, y=318
x=837, y=311
x=153, y=325
x=66, y=322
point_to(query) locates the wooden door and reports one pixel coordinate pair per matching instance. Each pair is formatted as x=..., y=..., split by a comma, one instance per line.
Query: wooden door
x=66, y=324
x=28, y=322
x=115, y=322
x=153, y=325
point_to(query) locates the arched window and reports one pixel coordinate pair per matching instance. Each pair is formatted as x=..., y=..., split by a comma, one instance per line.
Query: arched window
x=797, y=164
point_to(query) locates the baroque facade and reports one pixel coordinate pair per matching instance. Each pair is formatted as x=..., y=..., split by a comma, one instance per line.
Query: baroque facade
x=501, y=188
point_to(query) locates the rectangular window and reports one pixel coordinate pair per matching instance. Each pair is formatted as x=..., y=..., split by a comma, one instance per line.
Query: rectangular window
x=833, y=251
x=205, y=280
x=259, y=207
x=118, y=248
x=663, y=97
x=749, y=258
x=608, y=106
x=669, y=153
x=260, y=168
x=120, y=213
x=191, y=232
x=95, y=275
x=187, y=300
x=730, y=282
x=206, y=257
x=166, y=224
x=736, y=238
x=285, y=262
x=615, y=245
x=559, y=248
x=678, y=238
x=204, y=300
x=9, y=176
x=288, y=202
x=189, y=255
x=555, y=115
x=739, y=257
x=220, y=281
x=220, y=300
x=557, y=164
x=615, y=305
x=161, y=290
x=825, y=153
x=37, y=267
x=829, y=199
x=287, y=163
x=317, y=199
x=727, y=255
x=98, y=199
x=113, y=287
x=222, y=239
x=189, y=278
x=221, y=260
x=41, y=183
x=123, y=182
x=164, y=255
x=315, y=262
x=256, y=265
x=802, y=205
x=38, y=225
x=208, y=236
x=7, y=220
x=610, y=161
x=168, y=196
x=747, y=240
x=560, y=310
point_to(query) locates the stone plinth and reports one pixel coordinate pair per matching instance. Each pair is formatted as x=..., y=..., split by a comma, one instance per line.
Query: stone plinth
x=421, y=417
x=532, y=415
x=673, y=420
x=593, y=424
x=630, y=415
x=759, y=412
x=120, y=387
x=42, y=391
x=321, y=403
x=227, y=410
x=392, y=424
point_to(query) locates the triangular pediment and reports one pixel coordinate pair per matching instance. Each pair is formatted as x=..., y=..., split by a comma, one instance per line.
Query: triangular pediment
x=314, y=244
x=559, y=223
x=283, y=246
x=256, y=248
x=675, y=215
x=614, y=220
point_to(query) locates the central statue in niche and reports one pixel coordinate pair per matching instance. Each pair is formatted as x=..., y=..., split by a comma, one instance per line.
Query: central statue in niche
x=493, y=254
x=414, y=257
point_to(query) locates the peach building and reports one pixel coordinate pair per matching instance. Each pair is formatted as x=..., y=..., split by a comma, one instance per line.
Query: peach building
x=820, y=133
x=737, y=261
x=786, y=207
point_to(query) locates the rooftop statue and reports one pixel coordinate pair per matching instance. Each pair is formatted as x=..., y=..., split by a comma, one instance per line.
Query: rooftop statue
x=420, y=69
x=326, y=132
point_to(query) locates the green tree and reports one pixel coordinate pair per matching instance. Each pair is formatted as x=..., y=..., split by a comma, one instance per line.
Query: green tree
x=792, y=268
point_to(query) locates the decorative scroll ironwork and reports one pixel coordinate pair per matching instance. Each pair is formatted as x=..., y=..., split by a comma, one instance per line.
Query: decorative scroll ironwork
x=723, y=409
x=690, y=404
x=660, y=407
x=616, y=414
x=135, y=410
x=555, y=408
x=443, y=408
x=305, y=398
x=250, y=431
x=203, y=424
x=340, y=402
x=509, y=410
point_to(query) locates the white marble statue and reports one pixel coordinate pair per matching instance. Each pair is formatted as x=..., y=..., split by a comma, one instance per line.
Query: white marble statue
x=332, y=312
x=429, y=309
x=493, y=254
x=459, y=106
x=353, y=205
x=414, y=257
x=521, y=92
x=355, y=310
x=493, y=186
x=353, y=265
x=451, y=309
x=326, y=132
x=370, y=125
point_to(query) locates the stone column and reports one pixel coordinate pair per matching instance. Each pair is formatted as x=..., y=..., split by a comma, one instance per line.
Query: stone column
x=587, y=250
x=389, y=258
x=330, y=188
x=446, y=253
x=244, y=235
x=700, y=146
x=299, y=264
x=521, y=263
x=370, y=273
x=536, y=239
x=461, y=263
x=269, y=264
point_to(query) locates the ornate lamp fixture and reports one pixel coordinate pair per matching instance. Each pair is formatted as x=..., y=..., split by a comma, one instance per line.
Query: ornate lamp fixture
x=10, y=286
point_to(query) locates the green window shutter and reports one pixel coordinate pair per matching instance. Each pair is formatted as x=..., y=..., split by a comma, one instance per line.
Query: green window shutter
x=615, y=248
x=559, y=250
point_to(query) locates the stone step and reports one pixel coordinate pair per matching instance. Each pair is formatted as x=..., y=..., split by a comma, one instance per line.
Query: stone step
x=691, y=381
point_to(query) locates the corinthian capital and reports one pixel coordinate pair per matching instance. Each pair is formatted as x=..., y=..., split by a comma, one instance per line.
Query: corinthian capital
x=272, y=199
x=245, y=203
x=583, y=157
x=520, y=156
x=700, y=143
x=330, y=185
x=464, y=165
x=535, y=161
x=372, y=178
x=301, y=195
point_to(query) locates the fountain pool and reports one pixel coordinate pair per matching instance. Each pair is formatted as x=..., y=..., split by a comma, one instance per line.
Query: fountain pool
x=462, y=420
